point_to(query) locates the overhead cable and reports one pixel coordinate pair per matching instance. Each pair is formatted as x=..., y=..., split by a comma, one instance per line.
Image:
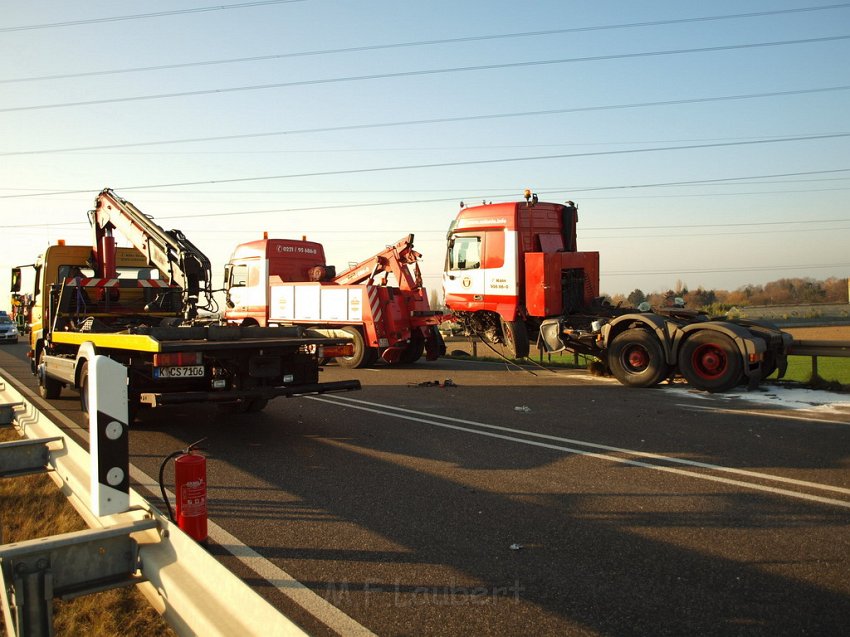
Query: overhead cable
x=439, y=120
x=156, y=14
x=478, y=162
x=398, y=45
x=420, y=73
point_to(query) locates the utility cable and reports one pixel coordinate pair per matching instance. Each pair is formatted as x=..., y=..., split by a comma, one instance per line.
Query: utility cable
x=765, y=268
x=421, y=73
x=157, y=14
x=445, y=164
x=398, y=45
x=440, y=120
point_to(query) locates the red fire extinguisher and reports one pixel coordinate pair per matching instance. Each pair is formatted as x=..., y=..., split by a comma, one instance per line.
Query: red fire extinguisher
x=190, y=487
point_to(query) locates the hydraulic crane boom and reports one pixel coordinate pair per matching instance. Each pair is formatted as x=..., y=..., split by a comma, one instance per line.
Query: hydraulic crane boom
x=399, y=259
x=178, y=260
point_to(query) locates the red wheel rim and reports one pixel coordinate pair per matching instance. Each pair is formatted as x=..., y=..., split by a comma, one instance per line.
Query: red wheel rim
x=709, y=361
x=635, y=359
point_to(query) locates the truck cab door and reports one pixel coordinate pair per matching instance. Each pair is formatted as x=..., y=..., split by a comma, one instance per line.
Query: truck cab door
x=463, y=278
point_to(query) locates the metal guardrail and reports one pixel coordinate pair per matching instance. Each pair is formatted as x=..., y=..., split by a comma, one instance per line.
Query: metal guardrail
x=816, y=349
x=820, y=348
x=195, y=594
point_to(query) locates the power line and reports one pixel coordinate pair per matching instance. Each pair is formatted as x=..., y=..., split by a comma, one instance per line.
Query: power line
x=421, y=73
x=497, y=192
x=440, y=120
x=157, y=14
x=765, y=268
x=759, y=231
x=451, y=164
x=305, y=209
x=419, y=43
x=494, y=192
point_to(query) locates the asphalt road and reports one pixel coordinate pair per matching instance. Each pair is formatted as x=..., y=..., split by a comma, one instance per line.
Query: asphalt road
x=592, y=509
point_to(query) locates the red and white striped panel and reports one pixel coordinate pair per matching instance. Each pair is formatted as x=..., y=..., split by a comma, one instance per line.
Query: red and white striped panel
x=114, y=283
x=374, y=303
x=94, y=283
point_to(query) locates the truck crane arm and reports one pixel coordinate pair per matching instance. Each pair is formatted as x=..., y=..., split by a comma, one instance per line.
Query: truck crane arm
x=178, y=260
x=399, y=259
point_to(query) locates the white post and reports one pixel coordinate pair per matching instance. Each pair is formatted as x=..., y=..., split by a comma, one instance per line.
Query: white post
x=108, y=436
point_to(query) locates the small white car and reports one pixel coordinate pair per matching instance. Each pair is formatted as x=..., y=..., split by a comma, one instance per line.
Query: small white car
x=8, y=330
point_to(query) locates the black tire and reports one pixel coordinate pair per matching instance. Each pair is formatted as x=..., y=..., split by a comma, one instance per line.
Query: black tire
x=515, y=338
x=711, y=361
x=48, y=388
x=84, y=388
x=257, y=404
x=414, y=350
x=363, y=356
x=636, y=358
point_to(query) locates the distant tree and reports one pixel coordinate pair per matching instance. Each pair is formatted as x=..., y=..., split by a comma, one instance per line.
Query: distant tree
x=836, y=290
x=636, y=297
x=779, y=292
x=700, y=298
x=616, y=299
x=810, y=291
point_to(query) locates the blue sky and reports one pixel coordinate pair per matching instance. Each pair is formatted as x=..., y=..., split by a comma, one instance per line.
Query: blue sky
x=352, y=144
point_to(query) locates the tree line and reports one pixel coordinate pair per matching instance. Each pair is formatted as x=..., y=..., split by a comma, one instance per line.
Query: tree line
x=797, y=291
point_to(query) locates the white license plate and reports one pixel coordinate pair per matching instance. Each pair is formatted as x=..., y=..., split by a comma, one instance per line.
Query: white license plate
x=189, y=371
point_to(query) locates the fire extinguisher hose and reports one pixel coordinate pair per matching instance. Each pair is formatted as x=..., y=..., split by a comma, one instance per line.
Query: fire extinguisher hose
x=171, y=456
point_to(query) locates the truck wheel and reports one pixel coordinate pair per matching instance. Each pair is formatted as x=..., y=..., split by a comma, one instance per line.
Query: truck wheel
x=363, y=356
x=636, y=359
x=48, y=388
x=711, y=361
x=515, y=337
x=414, y=350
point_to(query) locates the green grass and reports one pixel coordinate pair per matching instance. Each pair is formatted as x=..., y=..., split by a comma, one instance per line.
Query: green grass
x=833, y=370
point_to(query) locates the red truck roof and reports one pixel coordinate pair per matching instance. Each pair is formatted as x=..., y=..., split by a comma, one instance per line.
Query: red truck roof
x=290, y=259
x=271, y=248
x=545, y=227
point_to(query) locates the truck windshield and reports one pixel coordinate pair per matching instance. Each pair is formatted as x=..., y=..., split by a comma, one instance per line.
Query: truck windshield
x=465, y=253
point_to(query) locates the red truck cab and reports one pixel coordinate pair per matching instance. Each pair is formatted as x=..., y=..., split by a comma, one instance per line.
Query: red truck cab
x=246, y=275
x=518, y=260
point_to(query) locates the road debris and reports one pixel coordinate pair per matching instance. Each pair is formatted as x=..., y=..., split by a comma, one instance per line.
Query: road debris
x=434, y=383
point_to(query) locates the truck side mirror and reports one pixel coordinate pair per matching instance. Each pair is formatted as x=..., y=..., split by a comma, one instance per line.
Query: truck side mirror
x=228, y=269
x=16, y=279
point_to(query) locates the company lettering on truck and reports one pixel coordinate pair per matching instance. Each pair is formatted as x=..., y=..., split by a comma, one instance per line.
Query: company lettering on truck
x=297, y=249
x=500, y=284
x=485, y=222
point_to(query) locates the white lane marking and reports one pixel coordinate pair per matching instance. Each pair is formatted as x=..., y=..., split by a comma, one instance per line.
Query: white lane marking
x=633, y=452
x=317, y=606
x=751, y=412
x=387, y=410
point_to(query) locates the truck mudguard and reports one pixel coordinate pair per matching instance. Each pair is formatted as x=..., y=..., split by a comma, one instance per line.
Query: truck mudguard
x=746, y=342
x=651, y=322
x=550, y=336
